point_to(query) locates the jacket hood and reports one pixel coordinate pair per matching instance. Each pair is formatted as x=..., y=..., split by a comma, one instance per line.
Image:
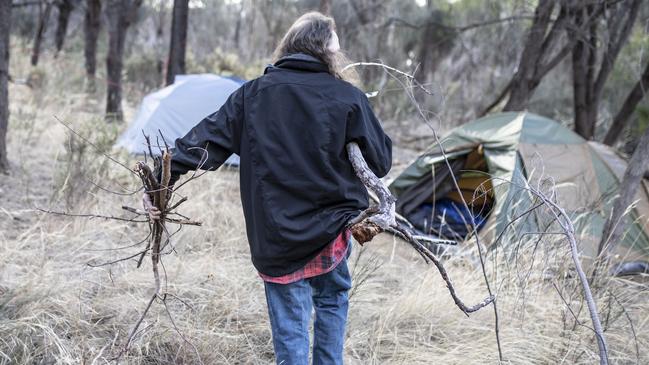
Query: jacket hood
x=300, y=62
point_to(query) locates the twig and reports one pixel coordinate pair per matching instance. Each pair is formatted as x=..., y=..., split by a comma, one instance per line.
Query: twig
x=183, y=221
x=97, y=149
x=173, y=323
x=162, y=194
x=628, y=317
x=133, y=210
x=109, y=217
x=119, y=260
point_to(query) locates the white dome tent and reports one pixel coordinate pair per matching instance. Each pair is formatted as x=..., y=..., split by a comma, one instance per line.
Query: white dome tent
x=175, y=109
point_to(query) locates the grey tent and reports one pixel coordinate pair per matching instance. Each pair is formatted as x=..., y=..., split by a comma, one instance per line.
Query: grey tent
x=175, y=109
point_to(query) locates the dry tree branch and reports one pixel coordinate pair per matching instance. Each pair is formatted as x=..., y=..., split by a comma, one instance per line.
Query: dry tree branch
x=91, y=216
x=628, y=317
x=457, y=29
x=408, y=88
x=567, y=226
x=382, y=218
x=564, y=221
x=162, y=192
x=143, y=252
x=97, y=149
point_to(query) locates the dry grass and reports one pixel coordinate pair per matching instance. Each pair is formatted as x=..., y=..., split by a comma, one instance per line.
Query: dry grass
x=56, y=309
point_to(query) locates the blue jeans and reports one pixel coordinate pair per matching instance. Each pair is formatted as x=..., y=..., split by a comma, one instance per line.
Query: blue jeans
x=289, y=309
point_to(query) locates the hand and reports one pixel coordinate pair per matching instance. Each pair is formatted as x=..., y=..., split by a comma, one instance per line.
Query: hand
x=154, y=213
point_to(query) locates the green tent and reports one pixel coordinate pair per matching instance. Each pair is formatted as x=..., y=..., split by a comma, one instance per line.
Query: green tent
x=516, y=148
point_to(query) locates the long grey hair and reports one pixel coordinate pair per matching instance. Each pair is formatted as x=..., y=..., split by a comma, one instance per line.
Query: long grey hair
x=310, y=34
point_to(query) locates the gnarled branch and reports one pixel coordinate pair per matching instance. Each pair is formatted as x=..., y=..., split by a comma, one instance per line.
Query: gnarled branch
x=377, y=219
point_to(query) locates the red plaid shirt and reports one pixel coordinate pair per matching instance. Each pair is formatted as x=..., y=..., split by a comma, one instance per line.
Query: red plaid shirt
x=324, y=262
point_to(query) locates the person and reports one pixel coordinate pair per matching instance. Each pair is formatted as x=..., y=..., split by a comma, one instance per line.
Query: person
x=290, y=127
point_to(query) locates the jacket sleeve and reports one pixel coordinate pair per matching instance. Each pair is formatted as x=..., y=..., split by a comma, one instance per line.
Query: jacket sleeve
x=211, y=141
x=364, y=128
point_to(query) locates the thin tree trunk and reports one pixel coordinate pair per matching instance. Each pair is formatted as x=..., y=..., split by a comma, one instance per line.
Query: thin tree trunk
x=116, y=36
x=159, y=42
x=583, y=65
x=237, y=27
x=526, y=79
x=614, y=227
x=325, y=7
x=5, y=26
x=38, y=38
x=435, y=43
x=65, y=8
x=617, y=39
x=178, y=44
x=538, y=58
x=622, y=117
x=91, y=26
x=589, y=78
x=120, y=14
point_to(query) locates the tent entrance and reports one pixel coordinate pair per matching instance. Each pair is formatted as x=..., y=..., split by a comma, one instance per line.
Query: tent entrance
x=435, y=207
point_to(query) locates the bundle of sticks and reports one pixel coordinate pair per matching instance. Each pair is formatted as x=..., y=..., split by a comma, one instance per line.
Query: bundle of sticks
x=156, y=183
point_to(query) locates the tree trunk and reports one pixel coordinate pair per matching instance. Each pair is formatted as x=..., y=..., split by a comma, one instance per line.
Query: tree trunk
x=325, y=7
x=436, y=41
x=583, y=65
x=629, y=106
x=526, y=78
x=538, y=57
x=589, y=78
x=40, y=30
x=237, y=26
x=614, y=227
x=65, y=8
x=5, y=26
x=91, y=26
x=120, y=14
x=159, y=43
x=618, y=35
x=177, y=47
x=116, y=36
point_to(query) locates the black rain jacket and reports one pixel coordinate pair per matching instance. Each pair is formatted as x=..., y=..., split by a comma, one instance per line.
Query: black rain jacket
x=290, y=127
